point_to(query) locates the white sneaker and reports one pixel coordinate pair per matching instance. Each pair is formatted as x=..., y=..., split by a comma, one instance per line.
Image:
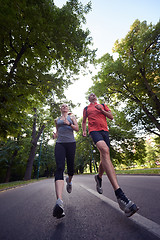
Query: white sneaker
x=58, y=210
x=68, y=186
x=127, y=205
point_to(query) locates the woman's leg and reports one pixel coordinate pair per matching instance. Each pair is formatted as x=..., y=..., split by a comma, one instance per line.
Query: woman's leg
x=59, y=185
x=70, y=155
x=60, y=163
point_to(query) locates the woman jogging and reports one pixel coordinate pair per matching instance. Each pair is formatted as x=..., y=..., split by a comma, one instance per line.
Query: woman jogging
x=64, y=149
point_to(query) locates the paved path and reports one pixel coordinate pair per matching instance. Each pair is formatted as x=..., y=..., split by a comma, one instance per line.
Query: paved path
x=26, y=212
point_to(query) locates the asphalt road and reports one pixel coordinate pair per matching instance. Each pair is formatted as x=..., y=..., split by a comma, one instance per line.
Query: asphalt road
x=26, y=212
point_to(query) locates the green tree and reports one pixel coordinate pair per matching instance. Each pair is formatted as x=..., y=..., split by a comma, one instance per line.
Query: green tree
x=83, y=151
x=37, y=37
x=35, y=137
x=153, y=153
x=8, y=154
x=133, y=78
x=41, y=47
x=13, y=158
x=44, y=160
x=125, y=147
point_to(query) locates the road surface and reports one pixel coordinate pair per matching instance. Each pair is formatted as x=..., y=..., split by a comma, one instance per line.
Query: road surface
x=26, y=212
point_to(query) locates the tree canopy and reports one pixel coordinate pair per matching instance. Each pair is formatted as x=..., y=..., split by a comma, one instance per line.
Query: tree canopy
x=133, y=78
x=37, y=37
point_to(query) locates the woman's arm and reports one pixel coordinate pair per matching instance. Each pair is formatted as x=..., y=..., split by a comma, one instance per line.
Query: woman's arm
x=55, y=134
x=74, y=126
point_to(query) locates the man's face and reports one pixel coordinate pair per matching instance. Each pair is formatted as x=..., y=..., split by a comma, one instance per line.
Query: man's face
x=92, y=97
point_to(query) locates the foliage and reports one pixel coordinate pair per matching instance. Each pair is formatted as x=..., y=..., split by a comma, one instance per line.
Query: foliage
x=133, y=78
x=125, y=147
x=45, y=160
x=153, y=152
x=11, y=162
x=17, y=165
x=83, y=151
x=37, y=37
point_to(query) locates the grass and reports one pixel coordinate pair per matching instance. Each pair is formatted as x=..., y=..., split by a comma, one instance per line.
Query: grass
x=131, y=171
x=139, y=171
x=17, y=183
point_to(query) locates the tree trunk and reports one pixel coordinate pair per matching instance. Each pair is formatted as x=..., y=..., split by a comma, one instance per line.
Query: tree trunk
x=8, y=174
x=35, y=139
x=96, y=166
x=28, y=172
x=90, y=165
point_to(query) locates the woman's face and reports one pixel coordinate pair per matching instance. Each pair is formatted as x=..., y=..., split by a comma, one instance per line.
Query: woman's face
x=64, y=108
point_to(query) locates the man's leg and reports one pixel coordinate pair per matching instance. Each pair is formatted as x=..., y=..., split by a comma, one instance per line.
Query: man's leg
x=100, y=170
x=125, y=204
x=106, y=164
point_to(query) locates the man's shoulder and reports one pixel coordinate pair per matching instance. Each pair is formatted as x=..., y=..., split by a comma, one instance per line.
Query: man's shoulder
x=85, y=108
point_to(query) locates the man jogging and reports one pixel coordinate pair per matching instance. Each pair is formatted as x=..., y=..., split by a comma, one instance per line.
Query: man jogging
x=98, y=130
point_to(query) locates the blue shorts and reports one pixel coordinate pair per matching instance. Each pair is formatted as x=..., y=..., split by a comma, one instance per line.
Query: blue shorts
x=100, y=135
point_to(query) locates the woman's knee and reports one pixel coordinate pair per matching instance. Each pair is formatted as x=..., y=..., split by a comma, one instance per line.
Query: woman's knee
x=59, y=174
x=71, y=172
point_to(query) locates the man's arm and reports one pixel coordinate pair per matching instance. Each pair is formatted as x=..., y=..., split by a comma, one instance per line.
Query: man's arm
x=84, y=123
x=107, y=114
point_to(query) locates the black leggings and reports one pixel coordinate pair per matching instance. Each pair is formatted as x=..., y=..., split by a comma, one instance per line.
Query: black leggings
x=64, y=151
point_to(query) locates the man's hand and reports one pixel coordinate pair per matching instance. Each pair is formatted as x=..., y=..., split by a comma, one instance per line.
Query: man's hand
x=99, y=107
x=84, y=134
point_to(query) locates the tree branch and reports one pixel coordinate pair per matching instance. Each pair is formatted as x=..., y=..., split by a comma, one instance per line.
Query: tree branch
x=150, y=93
x=135, y=99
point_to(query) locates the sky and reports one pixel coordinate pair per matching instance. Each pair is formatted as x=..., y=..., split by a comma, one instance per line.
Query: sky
x=108, y=21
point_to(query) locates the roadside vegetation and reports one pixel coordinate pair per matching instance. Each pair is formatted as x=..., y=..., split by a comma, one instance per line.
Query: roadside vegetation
x=140, y=171
x=149, y=171
x=7, y=186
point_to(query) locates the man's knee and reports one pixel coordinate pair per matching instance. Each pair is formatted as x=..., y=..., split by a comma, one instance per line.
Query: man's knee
x=103, y=148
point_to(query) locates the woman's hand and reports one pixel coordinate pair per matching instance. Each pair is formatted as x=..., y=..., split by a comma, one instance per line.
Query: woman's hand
x=65, y=121
x=54, y=135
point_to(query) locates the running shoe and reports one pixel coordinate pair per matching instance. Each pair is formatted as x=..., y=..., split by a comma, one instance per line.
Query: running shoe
x=58, y=210
x=68, y=186
x=126, y=205
x=98, y=184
